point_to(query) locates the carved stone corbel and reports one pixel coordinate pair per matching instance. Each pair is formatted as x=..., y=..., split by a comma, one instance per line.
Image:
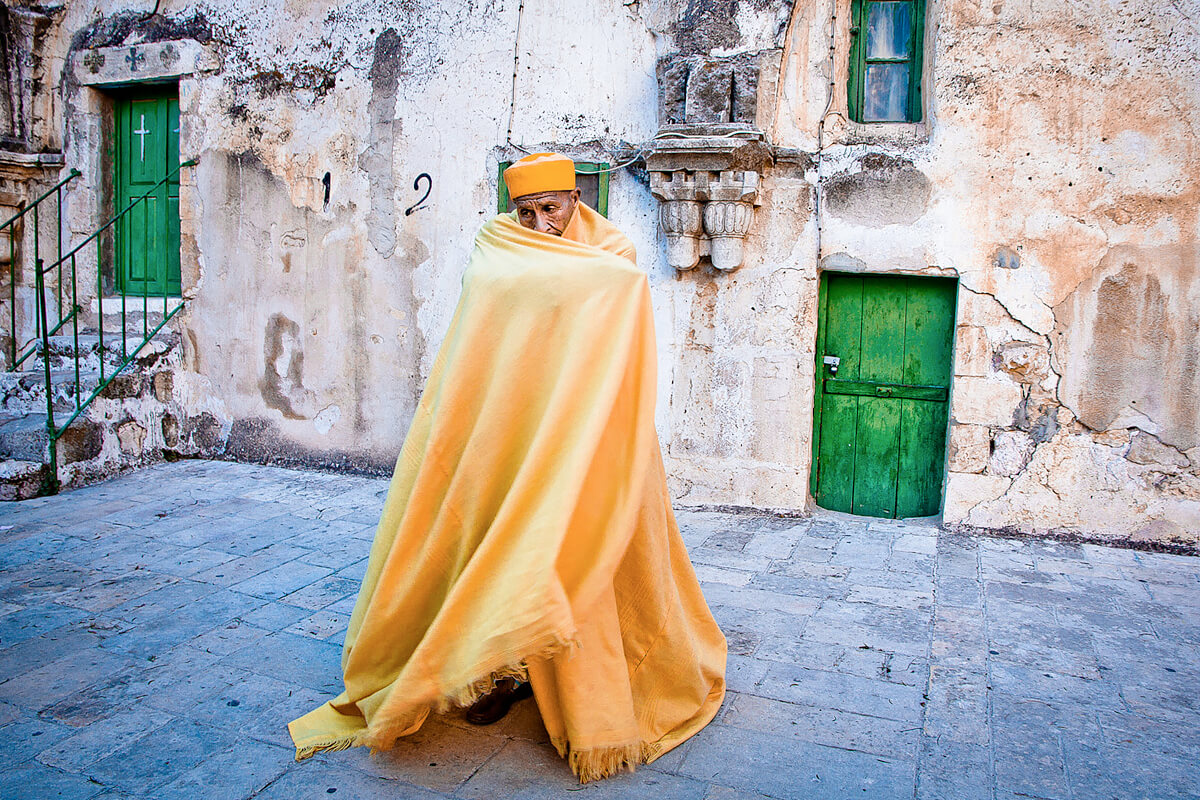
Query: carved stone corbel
x=727, y=217
x=680, y=215
x=707, y=201
x=681, y=222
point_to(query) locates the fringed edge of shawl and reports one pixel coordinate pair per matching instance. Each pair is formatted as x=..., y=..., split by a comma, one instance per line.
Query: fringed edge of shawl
x=345, y=743
x=467, y=695
x=604, y=762
x=383, y=734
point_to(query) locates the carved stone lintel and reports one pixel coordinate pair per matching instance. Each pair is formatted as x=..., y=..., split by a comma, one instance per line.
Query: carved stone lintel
x=708, y=193
x=148, y=61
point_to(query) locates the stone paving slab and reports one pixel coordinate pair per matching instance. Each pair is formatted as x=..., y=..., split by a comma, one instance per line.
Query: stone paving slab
x=158, y=631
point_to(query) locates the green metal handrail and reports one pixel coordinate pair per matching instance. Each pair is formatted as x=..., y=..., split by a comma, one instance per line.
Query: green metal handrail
x=33, y=210
x=55, y=432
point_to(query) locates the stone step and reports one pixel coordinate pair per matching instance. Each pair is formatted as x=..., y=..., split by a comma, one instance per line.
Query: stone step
x=21, y=480
x=63, y=350
x=134, y=310
x=29, y=396
x=25, y=392
x=34, y=379
x=23, y=437
x=63, y=344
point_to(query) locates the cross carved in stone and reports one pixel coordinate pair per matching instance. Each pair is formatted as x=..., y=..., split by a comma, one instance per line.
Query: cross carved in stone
x=93, y=60
x=134, y=58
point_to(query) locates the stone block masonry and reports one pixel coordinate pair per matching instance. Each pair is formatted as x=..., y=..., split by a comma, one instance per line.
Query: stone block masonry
x=140, y=418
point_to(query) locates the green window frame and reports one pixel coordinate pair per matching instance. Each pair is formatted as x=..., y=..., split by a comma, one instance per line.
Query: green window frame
x=886, y=55
x=590, y=176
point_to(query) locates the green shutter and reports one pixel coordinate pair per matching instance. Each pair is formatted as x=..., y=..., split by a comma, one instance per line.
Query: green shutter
x=854, y=87
x=893, y=61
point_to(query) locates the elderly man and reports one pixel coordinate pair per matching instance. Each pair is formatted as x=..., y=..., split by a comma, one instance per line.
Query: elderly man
x=527, y=533
x=551, y=211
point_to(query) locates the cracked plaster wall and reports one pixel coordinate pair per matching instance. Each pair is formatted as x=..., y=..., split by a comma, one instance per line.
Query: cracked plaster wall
x=1055, y=171
x=320, y=279
x=1056, y=176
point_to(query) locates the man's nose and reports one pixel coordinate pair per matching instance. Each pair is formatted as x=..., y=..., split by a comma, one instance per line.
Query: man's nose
x=541, y=223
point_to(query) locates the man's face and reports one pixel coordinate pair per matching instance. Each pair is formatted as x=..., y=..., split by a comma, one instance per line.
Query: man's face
x=547, y=212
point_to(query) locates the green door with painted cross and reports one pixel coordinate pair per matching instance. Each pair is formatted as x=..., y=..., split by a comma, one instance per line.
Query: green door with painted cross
x=147, y=151
x=884, y=360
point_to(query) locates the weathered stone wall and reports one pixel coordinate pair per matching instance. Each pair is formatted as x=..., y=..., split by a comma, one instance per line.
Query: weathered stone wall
x=143, y=416
x=1055, y=175
x=28, y=66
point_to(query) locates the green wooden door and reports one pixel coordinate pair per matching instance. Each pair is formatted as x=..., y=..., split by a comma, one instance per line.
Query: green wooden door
x=147, y=150
x=879, y=429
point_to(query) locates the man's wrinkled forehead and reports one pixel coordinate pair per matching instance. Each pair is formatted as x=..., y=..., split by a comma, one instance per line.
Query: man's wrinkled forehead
x=541, y=197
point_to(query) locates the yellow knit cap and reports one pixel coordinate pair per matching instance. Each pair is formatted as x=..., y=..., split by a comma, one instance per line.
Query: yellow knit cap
x=540, y=172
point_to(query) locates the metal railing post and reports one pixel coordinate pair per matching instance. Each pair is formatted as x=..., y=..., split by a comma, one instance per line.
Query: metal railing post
x=12, y=286
x=37, y=255
x=33, y=210
x=58, y=245
x=44, y=325
x=100, y=304
x=75, y=330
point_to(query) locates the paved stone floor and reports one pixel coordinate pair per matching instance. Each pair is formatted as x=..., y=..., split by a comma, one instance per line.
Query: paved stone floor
x=158, y=631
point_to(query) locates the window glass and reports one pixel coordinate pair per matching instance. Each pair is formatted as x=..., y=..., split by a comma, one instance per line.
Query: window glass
x=885, y=93
x=589, y=187
x=889, y=30
x=886, y=54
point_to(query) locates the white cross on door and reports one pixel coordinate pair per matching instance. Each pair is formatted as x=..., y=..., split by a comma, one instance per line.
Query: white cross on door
x=141, y=132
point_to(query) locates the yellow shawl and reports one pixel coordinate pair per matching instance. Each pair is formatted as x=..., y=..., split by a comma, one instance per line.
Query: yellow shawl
x=527, y=529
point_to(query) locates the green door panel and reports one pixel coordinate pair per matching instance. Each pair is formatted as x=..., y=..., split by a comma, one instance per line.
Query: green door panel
x=882, y=322
x=928, y=333
x=845, y=327
x=880, y=417
x=173, y=139
x=877, y=448
x=146, y=150
x=837, y=453
x=922, y=449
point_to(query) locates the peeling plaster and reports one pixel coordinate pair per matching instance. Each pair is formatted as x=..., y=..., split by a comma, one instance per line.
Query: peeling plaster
x=1127, y=339
x=1057, y=135
x=376, y=160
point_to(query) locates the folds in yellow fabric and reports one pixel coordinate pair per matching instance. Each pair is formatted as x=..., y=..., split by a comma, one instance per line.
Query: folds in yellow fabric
x=527, y=529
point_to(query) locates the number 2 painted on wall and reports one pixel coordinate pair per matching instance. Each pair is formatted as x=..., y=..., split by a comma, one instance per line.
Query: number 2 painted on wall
x=417, y=185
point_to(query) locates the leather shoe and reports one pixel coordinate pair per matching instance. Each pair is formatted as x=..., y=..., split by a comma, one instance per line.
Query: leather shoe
x=495, y=704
